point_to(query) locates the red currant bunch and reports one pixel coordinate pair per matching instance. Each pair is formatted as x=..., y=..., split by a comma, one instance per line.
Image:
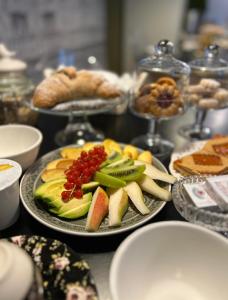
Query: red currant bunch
x=81, y=171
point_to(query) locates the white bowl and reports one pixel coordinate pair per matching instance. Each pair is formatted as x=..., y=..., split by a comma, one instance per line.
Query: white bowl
x=20, y=143
x=170, y=261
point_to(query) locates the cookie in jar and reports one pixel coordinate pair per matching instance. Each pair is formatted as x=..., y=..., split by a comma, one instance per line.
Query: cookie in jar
x=162, y=98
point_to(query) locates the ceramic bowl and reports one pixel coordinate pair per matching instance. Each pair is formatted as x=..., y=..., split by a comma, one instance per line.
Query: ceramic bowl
x=170, y=261
x=20, y=143
x=16, y=273
x=10, y=172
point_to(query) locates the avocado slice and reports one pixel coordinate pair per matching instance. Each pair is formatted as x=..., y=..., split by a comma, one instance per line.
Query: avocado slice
x=90, y=186
x=76, y=212
x=74, y=203
x=47, y=186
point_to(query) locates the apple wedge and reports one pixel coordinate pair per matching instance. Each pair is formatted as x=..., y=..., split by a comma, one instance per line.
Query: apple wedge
x=98, y=210
x=118, y=205
x=150, y=186
x=156, y=174
x=135, y=194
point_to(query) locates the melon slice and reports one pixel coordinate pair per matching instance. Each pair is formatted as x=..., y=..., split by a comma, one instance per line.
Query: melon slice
x=98, y=210
x=118, y=205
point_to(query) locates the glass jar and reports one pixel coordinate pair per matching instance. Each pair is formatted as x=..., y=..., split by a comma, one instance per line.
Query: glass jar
x=15, y=89
x=162, y=83
x=160, y=93
x=208, y=90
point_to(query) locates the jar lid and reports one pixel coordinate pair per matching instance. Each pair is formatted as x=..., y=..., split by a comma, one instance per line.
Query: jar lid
x=7, y=61
x=163, y=61
x=10, y=172
x=211, y=61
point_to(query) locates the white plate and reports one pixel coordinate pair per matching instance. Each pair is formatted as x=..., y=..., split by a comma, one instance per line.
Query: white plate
x=185, y=150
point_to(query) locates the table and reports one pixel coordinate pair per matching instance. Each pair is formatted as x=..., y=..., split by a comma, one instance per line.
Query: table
x=100, y=250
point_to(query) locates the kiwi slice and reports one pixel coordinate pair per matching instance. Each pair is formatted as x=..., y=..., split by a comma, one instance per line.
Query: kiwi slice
x=108, y=181
x=111, y=159
x=124, y=162
x=129, y=173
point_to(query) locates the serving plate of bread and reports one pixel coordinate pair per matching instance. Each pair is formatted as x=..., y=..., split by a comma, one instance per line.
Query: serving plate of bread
x=208, y=157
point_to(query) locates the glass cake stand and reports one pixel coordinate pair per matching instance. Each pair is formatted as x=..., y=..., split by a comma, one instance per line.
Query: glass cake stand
x=214, y=220
x=152, y=140
x=78, y=129
x=158, y=94
x=207, y=91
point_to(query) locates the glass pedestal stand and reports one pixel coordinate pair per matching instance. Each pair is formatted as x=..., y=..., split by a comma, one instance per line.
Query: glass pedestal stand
x=153, y=141
x=78, y=131
x=197, y=131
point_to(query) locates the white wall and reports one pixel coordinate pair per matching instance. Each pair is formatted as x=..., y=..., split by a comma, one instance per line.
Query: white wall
x=147, y=22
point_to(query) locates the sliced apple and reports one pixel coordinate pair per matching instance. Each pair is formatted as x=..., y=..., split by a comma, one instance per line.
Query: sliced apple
x=146, y=157
x=53, y=164
x=135, y=194
x=52, y=174
x=118, y=204
x=98, y=210
x=71, y=152
x=64, y=164
x=156, y=174
x=150, y=186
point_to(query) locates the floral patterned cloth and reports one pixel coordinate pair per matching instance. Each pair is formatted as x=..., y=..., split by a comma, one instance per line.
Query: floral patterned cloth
x=65, y=274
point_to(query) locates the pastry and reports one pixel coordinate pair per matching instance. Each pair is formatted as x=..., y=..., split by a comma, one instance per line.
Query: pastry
x=69, y=84
x=208, y=103
x=161, y=98
x=201, y=162
x=221, y=95
x=209, y=85
x=217, y=146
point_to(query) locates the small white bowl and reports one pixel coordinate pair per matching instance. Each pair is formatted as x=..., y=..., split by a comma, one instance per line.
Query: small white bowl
x=170, y=261
x=10, y=172
x=20, y=143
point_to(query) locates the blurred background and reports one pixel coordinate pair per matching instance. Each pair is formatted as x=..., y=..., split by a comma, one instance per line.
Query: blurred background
x=108, y=34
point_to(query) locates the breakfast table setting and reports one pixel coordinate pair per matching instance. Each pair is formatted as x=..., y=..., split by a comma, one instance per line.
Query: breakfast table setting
x=106, y=191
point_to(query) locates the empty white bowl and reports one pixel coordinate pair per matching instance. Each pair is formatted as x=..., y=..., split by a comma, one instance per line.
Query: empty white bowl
x=20, y=143
x=171, y=261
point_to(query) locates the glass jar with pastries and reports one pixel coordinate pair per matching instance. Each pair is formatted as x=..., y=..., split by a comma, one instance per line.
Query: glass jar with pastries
x=15, y=89
x=159, y=94
x=208, y=90
x=78, y=94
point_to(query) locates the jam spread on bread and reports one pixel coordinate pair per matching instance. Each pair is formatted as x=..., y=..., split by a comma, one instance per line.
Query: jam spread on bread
x=221, y=149
x=206, y=159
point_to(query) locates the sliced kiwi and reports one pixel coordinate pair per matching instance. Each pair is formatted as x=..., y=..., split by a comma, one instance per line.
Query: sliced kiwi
x=114, y=156
x=124, y=162
x=108, y=181
x=129, y=173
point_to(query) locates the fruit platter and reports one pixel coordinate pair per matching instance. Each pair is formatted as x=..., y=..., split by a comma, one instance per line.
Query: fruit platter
x=98, y=189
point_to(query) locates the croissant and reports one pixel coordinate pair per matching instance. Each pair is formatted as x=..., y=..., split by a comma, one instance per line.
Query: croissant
x=69, y=84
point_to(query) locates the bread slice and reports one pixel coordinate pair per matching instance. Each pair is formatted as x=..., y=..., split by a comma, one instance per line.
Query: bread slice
x=217, y=146
x=202, y=162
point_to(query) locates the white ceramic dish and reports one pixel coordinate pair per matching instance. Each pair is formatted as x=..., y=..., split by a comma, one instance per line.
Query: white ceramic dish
x=20, y=143
x=16, y=272
x=10, y=172
x=170, y=261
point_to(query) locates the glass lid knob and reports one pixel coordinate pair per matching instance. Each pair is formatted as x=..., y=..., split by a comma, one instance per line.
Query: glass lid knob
x=164, y=47
x=212, y=51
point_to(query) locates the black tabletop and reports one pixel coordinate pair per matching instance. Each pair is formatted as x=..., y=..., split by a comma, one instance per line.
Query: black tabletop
x=122, y=128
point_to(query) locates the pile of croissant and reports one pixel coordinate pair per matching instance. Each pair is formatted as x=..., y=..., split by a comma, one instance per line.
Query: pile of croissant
x=69, y=84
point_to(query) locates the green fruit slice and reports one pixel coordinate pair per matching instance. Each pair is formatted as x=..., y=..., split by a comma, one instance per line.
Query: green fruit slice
x=129, y=173
x=124, y=162
x=109, y=181
x=115, y=156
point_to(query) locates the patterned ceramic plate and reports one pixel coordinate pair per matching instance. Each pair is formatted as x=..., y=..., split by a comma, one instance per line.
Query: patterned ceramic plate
x=185, y=150
x=31, y=180
x=65, y=274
